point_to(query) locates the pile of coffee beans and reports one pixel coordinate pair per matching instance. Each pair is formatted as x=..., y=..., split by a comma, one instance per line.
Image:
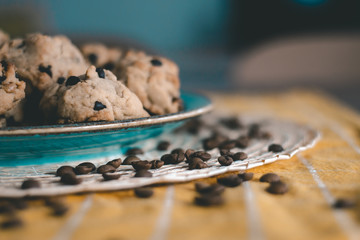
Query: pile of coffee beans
x=276, y=185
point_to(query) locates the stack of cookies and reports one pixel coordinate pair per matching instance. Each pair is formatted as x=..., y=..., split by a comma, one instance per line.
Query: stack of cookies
x=48, y=80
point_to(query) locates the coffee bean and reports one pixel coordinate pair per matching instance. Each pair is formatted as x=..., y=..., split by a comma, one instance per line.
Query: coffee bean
x=99, y=106
x=7, y=208
x=59, y=209
x=109, y=66
x=100, y=72
x=204, y=188
x=188, y=154
x=193, y=126
x=12, y=222
x=278, y=187
x=239, y=156
x=163, y=145
x=156, y=164
x=70, y=179
x=64, y=169
x=254, y=131
x=110, y=176
x=246, y=176
x=344, y=203
x=209, y=200
x=197, y=163
x=242, y=142
x=130, y=159
x=84, y=168
x=93, y=58
x=210, y=143
x=178, y=151
x=225, y=152
x=156, y=62
x=225, y=160
x=230, y=181
x=275, y=148
x=134, y=151
x=19, y=203
x=106, y=169
x=61, y=80
x=228, y=144
x=139, y=165
x=115, y=163
x=173, y=158
x=143, y=192
x=30, y=183
x=231, y=123
x=143, y=173
x=72, y=80
x=269, y=177
x=46, y=70
x=202, y=155
x=88, y=165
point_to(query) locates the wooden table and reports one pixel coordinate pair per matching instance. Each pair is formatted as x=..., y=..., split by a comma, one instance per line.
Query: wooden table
x=316, y=178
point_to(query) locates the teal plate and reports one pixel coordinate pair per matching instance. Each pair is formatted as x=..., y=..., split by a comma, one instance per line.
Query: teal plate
x=84, y=141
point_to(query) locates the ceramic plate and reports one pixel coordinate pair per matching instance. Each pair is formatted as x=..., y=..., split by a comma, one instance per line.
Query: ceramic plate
x=71, y=142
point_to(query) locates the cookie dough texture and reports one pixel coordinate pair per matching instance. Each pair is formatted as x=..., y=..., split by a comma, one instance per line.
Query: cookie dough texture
x=155, y=80
x=100, y=55
x=43, y=59
x=92, y=99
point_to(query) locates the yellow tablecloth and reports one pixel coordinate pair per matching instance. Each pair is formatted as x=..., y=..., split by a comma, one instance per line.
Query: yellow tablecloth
x=316, y=178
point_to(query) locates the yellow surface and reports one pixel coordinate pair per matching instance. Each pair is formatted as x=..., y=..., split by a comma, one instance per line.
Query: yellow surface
x=303, y=213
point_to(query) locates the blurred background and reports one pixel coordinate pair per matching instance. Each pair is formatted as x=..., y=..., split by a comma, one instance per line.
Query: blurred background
x=224, y=45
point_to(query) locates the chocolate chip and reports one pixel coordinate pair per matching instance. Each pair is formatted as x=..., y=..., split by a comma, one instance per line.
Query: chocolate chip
x=143, y=192
x=239, y=156
x=134, y=151
x=209, y=200
x=64, y=169
x=100, y=72
x=204, y=188
x=163, y=145
x=156, y=164
x=202, y=155
x=61, y=80
x=99, y=106
x=115, y=163
x=225, y=160
x=130, y=159
x=269, y=177
x=278, y=187
x=93, y=58
x=230, y=181
x=139, y=165
x=275, y=148
x=106, y=169
x=110, y=176
x=30, y=183
x=4, y=65
x=109, y=66
x=72, y=80
x=156, y=62
x=2, y=78
x=231, y=123
x=46, y=70
x=344, y=203
x=21, y=45
x=197, y=163
x=70, y=179
x=12, y=222
x=246, y=176
x=242, y=142
x=143, y=173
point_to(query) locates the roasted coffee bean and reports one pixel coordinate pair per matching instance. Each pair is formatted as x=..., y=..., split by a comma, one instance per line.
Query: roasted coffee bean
x=246, y=176
x=254, y=131
x=231, y=123
x=93, y=58
x=172, y=158
x=19, y=203
x=143, y=192
x=99, y=106
x=109, y=66
x=225, y=160
x=163, y=145
x=61, y=80
x=106, y=169
x=178, y=151
x=344, y=203
x=193, y=126
x=110, y=176
x=230, y=181
x=130, y=159
x=139, y=165
x=156, y=164
x=156, y=62
x=46, y=70
x=242, y=142
x=278, y=187
x=72, y=80
x=204, y=188
x=188, y=154
x=143, y=173
x=100, y=72
x=202, y=155
x=209, y=200
x=228, y=144
x=210, y=143
x=12, y=222
x=89, y=165
x=269, y=177
x=64, y=169
x=275, y=148
x=30, y=183
x=59, y=209
x=197, y=163
x=70, y=179
x=115, y=163
x=7, y=208
x=84, y=168
x=239, y=156
x=134, y=151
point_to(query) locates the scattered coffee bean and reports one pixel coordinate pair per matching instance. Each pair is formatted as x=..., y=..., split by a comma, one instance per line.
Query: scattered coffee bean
x=130, y=159
x=61, y=80
x=46, y=70
x=275, y=148
x=7, y=208
x=239, y=156
x=228, y=144
x=269, y=177
x=143, y=192
x=344, y=203
x=197, y=163
x=209, y=200
x=242, y=142
x=30, y=183
x=64, y=169
x=178, y=151
x=254, y=131
x=225, y=160
x=202, y=155
x=278, y=187
x=173, y=158
x=93, y=58
x=139, y=165
x=100, y=72
x=188, y=154
x=99, y=106
x=70, y=179
x=110, y=176
x=231, y=123
x=84, y=168
x=193, y=126
x=230, y=181
x=72, y=80
x=19, y=203
x=12, y=222
x=210, y=143
x=59, y=209
x=134, y=151
x=156, y=62
x=143, y=173
x=155, y=164
x=115, y=163
x=106, y=169
x=246, y=176
x=163, y=145
x=204, y=188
